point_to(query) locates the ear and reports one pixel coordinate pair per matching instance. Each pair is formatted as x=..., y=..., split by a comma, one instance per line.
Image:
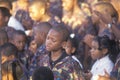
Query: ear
x=64, y=44
x=105, y=51
x=73, y=49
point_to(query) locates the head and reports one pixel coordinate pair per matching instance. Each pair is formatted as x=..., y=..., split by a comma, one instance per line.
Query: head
x=37, y=9
x=103, y=9
x=71, y=45
x=3, y=37
x=40, y=32
x=102, y=46
x=42, y=73
x=56, y=38
x=4, y=16
x=8, y=52
x=19, y=39
x=68, y=5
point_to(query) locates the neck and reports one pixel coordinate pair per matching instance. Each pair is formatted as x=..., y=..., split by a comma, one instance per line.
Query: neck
x=55, y=55
x=45, y=17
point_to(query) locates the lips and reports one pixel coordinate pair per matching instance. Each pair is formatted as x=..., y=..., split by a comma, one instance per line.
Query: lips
x=47, y=47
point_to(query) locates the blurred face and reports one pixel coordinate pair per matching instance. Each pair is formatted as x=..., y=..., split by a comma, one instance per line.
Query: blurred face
x=67, y=4
x=37, y=36
x=19, y=42
x=69, y=48
x=53, y=41
x=2, y=20
x=95, y=52
x=35, y=12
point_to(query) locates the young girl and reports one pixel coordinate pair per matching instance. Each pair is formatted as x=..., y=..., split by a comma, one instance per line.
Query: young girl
x=71, y=47
x=103, y=51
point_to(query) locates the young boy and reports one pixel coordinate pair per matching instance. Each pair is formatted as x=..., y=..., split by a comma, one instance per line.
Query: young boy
x=38, y=11
x=39, y=33
x=19, y=40
x=10, y=68
x=64, y=67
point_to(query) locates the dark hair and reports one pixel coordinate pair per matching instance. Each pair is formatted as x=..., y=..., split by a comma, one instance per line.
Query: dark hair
x=42, y=73
x=111, y=45
x=73, y=38
x=62, y=29
x=8, y=49
x=19, y=32
x=5, y=12
x=43, y=27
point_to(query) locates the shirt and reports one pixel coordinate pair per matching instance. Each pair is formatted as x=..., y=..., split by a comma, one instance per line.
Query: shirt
x=100, y=66
x=15, y=24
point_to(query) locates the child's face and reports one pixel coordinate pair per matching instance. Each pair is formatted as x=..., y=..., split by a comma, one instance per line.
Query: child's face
x=35, y=12
x=54, y=41
x=19, y=41
x=69, y=48
x=37, y=36
x=95, y=52
x=67, y=4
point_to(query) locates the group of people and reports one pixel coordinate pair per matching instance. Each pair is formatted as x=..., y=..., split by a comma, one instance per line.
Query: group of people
x=59, y=40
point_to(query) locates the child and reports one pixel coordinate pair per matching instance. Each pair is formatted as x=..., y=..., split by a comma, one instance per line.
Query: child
x=42, y=73
x=39, y=33
x=7, y=19
x=38, y=11
x=9, y=52
x=104, y=52
x=63, y=66
x=72, y=46
x=19, y=40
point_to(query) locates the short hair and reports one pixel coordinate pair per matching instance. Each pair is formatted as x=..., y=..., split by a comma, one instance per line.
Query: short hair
x=108, y=8
x=62, y=29
x=43, y=27
x=42, y=73
x=5, y=12
x=104, y=42
x=8, y=49
x=19, y=32
x=40, y=3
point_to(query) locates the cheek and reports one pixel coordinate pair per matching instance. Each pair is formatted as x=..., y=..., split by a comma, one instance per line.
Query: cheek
x=95, y=55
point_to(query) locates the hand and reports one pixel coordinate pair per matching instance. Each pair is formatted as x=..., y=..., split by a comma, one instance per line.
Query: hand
x=105, y=77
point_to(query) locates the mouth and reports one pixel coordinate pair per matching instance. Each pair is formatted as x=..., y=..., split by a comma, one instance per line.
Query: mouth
x=47, y=47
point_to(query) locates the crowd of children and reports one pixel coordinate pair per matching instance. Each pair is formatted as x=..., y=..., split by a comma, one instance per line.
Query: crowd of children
x=59, y=40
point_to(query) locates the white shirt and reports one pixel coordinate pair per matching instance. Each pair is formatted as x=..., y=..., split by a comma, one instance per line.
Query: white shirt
x=100, y=66
x=14, y=23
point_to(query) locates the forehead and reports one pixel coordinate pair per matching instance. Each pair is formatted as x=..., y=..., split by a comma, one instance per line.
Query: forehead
x=55, y=34
x=95, y=44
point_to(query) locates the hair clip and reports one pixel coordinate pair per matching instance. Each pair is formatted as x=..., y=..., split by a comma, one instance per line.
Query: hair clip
x=72, y=35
